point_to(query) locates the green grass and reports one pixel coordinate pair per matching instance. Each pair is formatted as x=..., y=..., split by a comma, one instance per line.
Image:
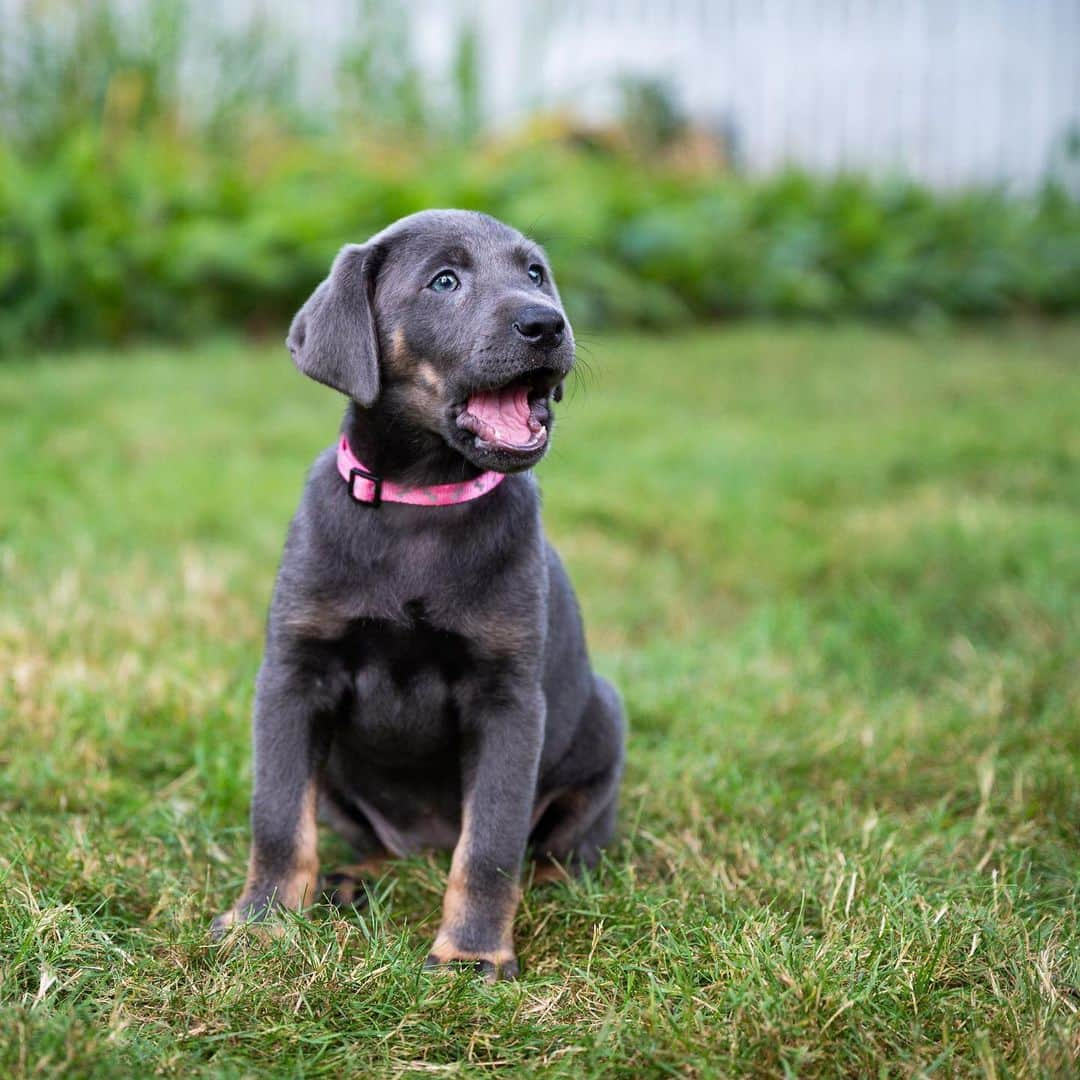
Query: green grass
x=836, y=573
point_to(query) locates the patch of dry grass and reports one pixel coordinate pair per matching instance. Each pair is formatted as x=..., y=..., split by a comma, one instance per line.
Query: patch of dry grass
x=836, y=573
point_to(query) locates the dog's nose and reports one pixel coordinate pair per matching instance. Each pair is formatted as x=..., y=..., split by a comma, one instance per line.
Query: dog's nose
x=540, y=325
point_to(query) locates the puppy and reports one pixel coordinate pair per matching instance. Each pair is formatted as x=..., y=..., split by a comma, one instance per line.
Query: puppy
x=425, y=681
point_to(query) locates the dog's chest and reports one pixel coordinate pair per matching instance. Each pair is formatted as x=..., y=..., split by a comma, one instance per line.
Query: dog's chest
x=403, y=676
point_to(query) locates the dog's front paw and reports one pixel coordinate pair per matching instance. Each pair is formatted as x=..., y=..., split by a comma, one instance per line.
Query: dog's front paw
x=246, y=912
x=494, y=966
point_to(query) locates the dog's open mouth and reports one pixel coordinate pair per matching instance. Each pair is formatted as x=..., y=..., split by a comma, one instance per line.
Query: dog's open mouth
x=509, y=418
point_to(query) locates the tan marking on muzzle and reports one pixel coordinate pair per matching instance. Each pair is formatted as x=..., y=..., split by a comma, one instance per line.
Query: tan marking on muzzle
x=427, y=374
x=401, y=359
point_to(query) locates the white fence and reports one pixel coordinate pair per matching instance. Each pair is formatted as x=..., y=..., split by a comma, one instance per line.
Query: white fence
x=952, y=92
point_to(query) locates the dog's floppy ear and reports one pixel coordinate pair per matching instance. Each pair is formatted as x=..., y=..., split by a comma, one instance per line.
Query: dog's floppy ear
x=332, y=338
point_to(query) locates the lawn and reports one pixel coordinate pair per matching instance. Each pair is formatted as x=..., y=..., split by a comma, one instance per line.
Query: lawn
x=836, y=573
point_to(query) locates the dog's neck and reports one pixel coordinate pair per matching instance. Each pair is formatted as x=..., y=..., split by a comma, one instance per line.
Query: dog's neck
x=394, y=449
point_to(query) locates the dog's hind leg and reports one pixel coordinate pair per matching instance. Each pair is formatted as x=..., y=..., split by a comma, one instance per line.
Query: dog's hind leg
x=579, y=821
x=344, y=887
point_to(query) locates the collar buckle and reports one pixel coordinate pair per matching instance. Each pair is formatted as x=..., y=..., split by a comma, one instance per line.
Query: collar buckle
x=376, y=482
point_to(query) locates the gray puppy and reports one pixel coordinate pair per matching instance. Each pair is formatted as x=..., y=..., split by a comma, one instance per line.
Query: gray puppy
x=425, y=682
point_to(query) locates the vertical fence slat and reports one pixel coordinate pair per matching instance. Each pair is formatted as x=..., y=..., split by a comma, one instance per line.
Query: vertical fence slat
x=948, y=91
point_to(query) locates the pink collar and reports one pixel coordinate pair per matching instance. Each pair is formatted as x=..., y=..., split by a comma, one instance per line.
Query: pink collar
x=366, y=487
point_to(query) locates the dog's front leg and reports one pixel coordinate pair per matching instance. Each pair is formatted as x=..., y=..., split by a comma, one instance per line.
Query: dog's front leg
x=292, y=706
x=502, y=754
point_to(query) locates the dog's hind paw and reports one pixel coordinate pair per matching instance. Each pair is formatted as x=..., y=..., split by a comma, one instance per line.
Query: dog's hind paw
x=347, y=886
x=343, y=890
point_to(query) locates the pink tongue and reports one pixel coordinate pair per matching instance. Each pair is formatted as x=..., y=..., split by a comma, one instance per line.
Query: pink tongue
x=506, y=411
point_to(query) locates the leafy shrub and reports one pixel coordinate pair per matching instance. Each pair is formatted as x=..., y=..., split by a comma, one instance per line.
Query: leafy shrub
x=125, y=210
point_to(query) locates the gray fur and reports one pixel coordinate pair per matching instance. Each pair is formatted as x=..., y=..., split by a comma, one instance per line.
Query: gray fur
x=332, y=338
x=419, y=660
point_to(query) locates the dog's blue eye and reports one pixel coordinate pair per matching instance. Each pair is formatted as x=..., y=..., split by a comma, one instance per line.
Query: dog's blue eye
x=444, y=282
x=536, y=274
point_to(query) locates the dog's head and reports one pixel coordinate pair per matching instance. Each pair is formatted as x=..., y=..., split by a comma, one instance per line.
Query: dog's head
x=450, y=320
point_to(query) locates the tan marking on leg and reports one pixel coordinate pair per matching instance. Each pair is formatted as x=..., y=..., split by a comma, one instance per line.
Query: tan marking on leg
x=456, y=914
x=298, y=888
x=455, y=898
x=455, y=911
x=546, y=871
x=369, y=866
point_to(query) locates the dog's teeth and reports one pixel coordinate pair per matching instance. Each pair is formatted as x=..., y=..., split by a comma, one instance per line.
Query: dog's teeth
x=534, y=425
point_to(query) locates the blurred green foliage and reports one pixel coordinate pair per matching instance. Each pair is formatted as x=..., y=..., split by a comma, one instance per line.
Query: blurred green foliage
x=132, y=205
